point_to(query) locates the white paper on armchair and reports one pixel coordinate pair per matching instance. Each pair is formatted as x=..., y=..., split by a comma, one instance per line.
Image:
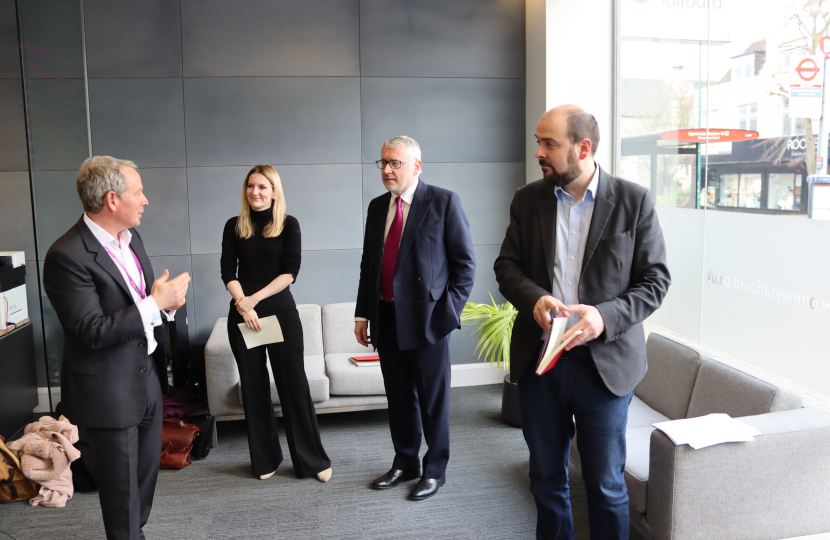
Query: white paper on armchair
x=270, y=333
x=707, y=430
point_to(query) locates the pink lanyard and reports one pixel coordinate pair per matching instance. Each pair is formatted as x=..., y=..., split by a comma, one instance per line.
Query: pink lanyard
x=140, y=290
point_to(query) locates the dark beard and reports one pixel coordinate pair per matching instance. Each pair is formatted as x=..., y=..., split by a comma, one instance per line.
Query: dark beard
x=562, y=179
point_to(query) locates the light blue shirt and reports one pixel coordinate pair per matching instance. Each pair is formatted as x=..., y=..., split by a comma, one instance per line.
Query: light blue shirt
x=573, y=219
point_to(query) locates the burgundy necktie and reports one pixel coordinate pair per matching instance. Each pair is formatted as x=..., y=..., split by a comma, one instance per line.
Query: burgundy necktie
x=390, y=254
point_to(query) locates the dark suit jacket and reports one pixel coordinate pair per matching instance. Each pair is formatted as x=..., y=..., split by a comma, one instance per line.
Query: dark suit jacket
x=435, y=270
x=624, y=273
x=104, y=375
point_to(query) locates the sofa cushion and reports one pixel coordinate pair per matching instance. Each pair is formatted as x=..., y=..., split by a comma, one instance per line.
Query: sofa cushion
x=637, y=441
x=672, y=367
x=640, y=414
x=312, y=329
x=347, y=379
x=318, y=383
x=338, y=329
x=723, y=387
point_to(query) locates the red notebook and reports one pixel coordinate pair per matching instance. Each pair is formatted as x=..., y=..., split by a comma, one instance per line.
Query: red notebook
x=553, y=347
x=364, y=361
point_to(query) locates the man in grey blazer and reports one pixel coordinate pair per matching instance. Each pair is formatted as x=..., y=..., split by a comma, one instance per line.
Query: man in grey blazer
x=100, y=282
x=585, y=245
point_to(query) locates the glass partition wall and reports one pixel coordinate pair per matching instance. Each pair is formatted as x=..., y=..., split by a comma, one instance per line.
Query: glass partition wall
x=55, y=87
x=706, y=124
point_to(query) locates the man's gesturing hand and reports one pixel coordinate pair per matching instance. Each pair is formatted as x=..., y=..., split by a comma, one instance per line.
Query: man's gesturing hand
x=170, y=294
x=592, y=325
x=361, y=332
x=541, y=312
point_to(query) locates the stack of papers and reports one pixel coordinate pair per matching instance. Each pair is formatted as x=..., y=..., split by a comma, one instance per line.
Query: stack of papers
x=707, y=430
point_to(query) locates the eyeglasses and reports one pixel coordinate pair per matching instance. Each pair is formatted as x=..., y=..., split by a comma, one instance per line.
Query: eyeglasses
x=395, y=164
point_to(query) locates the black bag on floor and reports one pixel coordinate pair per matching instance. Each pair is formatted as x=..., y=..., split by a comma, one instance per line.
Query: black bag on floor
x=203, y=441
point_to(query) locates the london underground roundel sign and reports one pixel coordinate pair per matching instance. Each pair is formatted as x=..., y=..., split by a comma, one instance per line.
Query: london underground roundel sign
x=807, y=69
x=709, y=135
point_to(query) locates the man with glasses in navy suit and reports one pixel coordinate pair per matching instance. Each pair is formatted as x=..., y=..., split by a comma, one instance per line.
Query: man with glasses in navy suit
x=416, y=274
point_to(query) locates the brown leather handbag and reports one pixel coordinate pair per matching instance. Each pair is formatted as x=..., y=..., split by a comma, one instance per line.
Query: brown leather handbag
x=176, y=443
x=13, y=485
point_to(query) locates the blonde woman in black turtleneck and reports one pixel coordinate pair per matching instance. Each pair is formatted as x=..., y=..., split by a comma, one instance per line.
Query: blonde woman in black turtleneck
x=261, y=252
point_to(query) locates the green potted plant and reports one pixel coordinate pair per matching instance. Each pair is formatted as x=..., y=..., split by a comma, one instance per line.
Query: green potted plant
x=494, y=328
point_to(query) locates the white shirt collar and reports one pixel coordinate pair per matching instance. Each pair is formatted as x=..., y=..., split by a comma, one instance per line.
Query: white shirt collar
x=592, y=188
x=105, y=238
x=407, y=195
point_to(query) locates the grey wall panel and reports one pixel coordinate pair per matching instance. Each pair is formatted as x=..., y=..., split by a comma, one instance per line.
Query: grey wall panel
x=486, y=190
x=215, y=194
x=52, y=329
x=165, y=226
x=33, y=300
x=40, y=365
x=210, y=298
x=138, y=119
x=330, y=222
x=58, y=123
x=326, y=200
x=463, y=346
x=9, y=42
x=53, y=38
x=372, y=185
x=12, y=126
x=52, y=325
x=54, y=358
x=16, y=221
x=454, y=120
x=485, y=277
x=235, y=121
x=436, y=38
x=262, y=38
x=125, y=38
x=57, y=206
x=176, y=265
x=328, y=277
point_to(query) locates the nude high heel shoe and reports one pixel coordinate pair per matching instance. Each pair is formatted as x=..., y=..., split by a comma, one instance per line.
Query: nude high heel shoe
x=324, y=476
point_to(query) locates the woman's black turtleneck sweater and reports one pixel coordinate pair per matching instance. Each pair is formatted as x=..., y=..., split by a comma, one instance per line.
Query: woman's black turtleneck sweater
x=255, y=262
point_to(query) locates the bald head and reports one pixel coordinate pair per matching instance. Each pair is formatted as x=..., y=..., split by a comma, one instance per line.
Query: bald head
x=577, y=123
x=568, y=138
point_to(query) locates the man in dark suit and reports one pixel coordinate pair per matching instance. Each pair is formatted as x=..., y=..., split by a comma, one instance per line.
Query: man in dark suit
x=587, y=245
x=416, y=274
x=100, y=282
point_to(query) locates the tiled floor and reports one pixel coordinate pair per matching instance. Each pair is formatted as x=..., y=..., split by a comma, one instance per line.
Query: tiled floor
x=810, y=396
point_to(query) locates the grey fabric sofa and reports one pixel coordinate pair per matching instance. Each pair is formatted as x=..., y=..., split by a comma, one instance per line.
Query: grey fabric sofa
x=336, y=385
x=775, y=487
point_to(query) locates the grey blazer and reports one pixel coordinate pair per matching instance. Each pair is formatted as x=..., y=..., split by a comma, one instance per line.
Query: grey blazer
x=105, y=373
x=624, y=273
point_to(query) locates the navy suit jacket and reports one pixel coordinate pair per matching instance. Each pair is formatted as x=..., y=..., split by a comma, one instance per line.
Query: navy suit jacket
x=624, y=273
x=435, y=269
x=104, y=375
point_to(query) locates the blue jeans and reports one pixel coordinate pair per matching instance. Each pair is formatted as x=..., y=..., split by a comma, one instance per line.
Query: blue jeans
x=573, y=392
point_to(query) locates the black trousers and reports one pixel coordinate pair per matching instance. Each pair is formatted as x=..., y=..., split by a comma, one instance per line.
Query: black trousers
x=417, y=383
x=301, y=430
x=125, y=465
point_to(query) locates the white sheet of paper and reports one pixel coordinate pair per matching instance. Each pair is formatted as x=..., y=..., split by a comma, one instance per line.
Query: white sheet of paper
x=270, y=333
x=707, y=430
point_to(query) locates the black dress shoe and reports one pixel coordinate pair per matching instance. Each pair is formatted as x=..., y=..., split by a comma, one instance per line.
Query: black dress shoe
x=393, y=478
x=426, y=488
